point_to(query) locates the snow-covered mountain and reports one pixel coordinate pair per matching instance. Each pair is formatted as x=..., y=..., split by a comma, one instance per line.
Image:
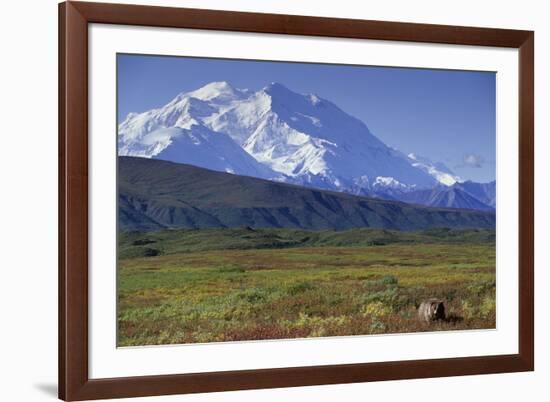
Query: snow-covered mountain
x=176, y=132
x=277, y=134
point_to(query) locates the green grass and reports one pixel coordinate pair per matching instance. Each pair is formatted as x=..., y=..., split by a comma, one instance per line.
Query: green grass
x=140, y=244
x=218, y=285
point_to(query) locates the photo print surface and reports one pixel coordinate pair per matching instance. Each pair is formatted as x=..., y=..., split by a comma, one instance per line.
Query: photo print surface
x=274, y=200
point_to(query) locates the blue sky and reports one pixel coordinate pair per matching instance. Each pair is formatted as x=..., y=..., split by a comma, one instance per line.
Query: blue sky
x=447, y=116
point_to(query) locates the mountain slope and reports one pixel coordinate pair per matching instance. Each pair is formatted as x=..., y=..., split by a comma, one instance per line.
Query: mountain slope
x=157, y=194
x=484, y=192
x=445, y=197
x=438, y=170
x=468, y=195
x=204, y=148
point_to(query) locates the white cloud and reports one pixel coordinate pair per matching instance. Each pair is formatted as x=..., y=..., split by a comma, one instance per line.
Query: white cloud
x=473, y=160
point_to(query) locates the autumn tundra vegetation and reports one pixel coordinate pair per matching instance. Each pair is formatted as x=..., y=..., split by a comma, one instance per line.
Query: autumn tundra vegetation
x=218, y=285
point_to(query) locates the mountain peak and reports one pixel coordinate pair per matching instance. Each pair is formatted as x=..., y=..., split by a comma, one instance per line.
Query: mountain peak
x=213, y=90
x=276, y=88
x=217, y=85
x=275, y=84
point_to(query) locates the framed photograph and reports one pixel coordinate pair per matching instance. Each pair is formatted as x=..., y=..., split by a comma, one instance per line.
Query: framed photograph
x=260, y=200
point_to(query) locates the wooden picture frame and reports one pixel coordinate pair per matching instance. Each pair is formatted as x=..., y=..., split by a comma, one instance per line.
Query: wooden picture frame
x=74, y=381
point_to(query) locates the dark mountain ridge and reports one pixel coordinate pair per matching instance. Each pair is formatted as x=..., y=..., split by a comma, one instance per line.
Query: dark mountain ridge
x=156, y=194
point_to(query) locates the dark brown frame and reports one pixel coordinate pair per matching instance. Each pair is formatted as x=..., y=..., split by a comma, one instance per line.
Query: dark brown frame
x=74, y=383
